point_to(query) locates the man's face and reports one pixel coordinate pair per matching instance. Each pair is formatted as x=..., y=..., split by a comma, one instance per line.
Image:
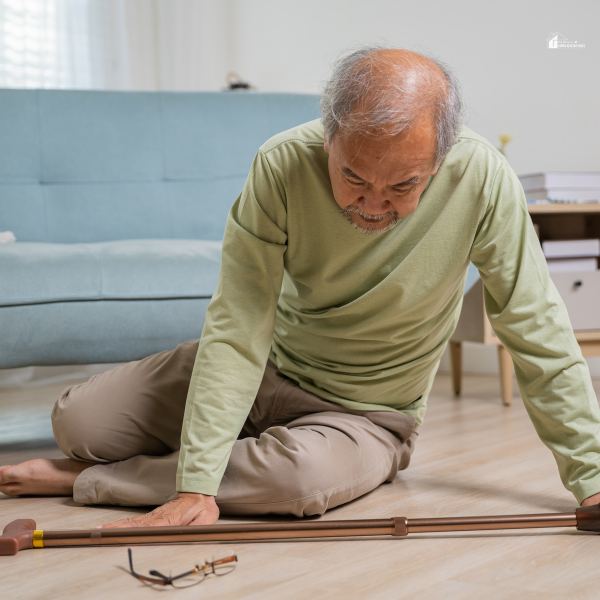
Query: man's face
x=377, y=182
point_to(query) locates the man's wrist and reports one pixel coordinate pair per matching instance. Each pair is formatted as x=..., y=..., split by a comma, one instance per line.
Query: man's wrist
x=595, y=499
x=195, y=495
x=196, y=485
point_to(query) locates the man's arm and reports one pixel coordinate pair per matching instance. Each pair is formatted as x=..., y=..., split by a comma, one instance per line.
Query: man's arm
x=233, y=350
x=530, y=319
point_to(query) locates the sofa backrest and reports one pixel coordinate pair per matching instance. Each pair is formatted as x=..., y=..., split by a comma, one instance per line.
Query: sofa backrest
x=91, y=166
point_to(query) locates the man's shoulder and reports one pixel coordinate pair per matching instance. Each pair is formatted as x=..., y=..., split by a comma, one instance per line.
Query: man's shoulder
x=470, y=143
x=301, y=136
x=472, y=156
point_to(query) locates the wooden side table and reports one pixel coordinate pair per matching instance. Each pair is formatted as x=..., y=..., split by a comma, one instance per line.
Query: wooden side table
x=555, y=222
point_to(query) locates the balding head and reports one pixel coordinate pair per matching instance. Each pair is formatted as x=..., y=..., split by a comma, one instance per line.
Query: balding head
x=378, y=92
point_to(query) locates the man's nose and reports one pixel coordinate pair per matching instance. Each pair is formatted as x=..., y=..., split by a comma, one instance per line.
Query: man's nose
x=374, y=202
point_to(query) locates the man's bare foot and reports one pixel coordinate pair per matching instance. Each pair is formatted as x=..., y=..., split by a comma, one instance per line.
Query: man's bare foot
x=41, y=477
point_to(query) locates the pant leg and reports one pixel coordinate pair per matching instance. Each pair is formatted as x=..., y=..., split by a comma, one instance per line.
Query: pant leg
x=312, y=464
x=141, y=478
x=134, y=409
x=138, y=481
x=129, y=417
x=303, y=467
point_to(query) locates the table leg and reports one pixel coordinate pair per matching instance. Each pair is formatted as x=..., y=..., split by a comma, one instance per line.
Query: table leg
x=456, y=366
x=506, y=375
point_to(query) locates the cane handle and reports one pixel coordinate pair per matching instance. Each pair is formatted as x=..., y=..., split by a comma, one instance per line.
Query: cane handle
x=16, y=536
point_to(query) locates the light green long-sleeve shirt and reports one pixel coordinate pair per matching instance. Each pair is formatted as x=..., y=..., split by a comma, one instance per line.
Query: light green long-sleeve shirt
x=363, y=320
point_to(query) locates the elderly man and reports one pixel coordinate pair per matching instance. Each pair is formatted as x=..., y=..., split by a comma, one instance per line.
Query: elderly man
x=343, y=268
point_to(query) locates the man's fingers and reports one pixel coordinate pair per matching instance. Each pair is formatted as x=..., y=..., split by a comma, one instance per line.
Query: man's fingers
x=139, y=521
x=203, y=518
x=119, y=523
x=166, y=515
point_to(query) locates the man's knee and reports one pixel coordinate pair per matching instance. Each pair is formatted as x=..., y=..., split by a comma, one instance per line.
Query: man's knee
x=269, y=475
x=300, y=477
x=291, y=471
x=114, y=416
x=73, y=426
x=88, y=423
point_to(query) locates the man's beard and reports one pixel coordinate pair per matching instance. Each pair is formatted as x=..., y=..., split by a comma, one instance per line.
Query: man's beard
x=393, y=216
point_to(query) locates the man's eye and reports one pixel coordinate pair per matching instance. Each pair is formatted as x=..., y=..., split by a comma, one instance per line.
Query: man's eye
x=354, y=182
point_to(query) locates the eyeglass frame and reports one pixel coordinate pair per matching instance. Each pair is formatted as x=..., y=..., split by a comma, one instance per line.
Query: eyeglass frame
x=164, y=580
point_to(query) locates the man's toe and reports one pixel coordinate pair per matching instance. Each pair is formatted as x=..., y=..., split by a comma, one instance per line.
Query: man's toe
x=7, y=474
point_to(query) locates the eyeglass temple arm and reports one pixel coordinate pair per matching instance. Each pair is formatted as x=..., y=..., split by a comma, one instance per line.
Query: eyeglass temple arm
x=159, y=574
x=225, y=559
x=131, y=562
x=143, y=577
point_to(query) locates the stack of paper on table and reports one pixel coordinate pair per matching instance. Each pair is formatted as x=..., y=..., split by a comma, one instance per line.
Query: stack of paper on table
x=562, y=186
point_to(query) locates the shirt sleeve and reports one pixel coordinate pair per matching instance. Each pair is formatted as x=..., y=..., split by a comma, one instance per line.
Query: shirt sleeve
x=237, y=333
x=530, y=319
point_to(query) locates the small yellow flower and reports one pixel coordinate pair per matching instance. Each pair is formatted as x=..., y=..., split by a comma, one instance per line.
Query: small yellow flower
x=504, y=139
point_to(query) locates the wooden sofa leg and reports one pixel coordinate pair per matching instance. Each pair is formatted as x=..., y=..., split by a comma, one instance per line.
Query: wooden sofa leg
x=506, y=375
x=456, y=366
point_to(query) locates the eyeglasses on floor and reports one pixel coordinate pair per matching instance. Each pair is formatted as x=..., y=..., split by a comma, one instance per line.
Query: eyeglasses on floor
x=219, y=567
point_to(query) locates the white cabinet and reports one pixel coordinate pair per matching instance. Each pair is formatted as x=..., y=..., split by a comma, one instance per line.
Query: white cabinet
x=579, y=291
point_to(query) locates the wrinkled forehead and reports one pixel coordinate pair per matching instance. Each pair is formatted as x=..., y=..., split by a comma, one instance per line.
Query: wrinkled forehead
x=389, y=156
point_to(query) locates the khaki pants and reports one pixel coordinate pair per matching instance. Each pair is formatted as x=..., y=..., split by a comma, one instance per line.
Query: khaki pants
x=297, y=454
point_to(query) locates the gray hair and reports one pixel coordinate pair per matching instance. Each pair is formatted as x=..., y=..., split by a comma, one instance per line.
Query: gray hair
x=361, y=97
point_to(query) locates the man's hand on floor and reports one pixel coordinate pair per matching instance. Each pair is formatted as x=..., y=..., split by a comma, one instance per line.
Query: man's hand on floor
x=185, y=509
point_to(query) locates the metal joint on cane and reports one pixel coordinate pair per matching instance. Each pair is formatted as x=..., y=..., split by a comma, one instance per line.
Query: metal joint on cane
x=588, y=518
x=38, y=538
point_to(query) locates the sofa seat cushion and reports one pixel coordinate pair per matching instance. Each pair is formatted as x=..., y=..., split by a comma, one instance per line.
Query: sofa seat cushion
x=37, y=273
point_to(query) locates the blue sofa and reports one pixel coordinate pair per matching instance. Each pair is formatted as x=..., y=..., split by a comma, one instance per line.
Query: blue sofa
x=118, y=201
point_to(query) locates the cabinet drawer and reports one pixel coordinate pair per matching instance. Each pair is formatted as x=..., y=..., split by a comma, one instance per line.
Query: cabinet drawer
x=581, y=295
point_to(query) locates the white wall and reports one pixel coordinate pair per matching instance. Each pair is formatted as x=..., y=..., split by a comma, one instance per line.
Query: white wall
x=188, y=42
x=548, y=99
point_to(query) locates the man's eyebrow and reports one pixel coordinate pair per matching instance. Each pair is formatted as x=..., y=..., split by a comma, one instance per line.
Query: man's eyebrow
x=411, y=181
x=347, y=171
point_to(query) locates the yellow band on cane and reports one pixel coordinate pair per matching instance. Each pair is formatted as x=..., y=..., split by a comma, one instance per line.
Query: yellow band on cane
x=38, y=538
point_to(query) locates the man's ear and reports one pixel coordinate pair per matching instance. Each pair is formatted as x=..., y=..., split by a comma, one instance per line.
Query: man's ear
x=325, y=144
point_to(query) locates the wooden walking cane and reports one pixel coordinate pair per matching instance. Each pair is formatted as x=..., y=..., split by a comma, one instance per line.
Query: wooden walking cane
x=22, y=534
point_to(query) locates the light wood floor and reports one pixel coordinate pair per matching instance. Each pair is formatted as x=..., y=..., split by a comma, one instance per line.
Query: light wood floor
x=474, y=457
